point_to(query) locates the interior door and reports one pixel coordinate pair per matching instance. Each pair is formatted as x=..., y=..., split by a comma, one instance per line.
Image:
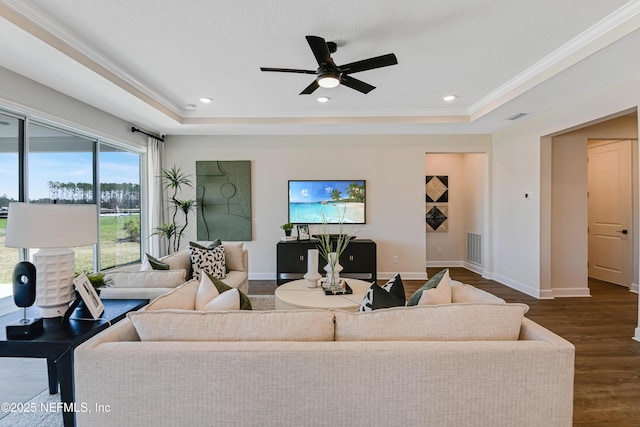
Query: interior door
x=609, y=173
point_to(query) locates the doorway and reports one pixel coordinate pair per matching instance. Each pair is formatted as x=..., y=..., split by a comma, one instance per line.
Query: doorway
x=564, y=268
x=610, y=211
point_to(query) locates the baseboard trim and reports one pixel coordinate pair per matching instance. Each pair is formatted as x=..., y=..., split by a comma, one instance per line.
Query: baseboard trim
x=571, y=292
x=521, y=287
x=634, y=288
x=637, y=336
x=444, y=264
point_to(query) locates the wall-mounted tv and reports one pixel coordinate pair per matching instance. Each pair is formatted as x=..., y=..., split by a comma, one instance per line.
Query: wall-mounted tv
x=311, y=201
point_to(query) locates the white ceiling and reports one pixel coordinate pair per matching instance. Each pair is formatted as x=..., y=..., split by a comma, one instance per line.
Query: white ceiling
x=144, y=60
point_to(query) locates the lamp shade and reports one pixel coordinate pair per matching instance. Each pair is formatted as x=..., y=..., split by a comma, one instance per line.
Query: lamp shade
x=35, y=225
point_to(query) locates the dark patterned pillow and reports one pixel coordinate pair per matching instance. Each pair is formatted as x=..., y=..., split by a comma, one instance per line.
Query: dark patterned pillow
x=431, y=283
x=245, y=304
x=210, y=259
x=391, y=294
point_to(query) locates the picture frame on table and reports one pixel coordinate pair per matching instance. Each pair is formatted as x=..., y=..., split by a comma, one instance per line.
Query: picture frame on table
x=303, y=232
x=90, y=297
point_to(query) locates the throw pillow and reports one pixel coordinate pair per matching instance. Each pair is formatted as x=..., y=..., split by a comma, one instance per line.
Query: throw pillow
x=234, y=325
x=209, y=259
x=209, y=297
x=391, y=294
x=245, y=304
x=441, y=294
x=156, y=264
x=183, y=297
x=431, y=283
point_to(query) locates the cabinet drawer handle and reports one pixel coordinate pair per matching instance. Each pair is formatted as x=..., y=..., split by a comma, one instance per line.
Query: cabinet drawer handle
x=350, y=257
x=301, y=257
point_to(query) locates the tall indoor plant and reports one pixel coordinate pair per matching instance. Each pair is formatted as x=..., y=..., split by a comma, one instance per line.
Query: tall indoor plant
x=174, y=180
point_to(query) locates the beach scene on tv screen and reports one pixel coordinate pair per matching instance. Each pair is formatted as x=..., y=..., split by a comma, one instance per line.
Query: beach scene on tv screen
x=312, y=201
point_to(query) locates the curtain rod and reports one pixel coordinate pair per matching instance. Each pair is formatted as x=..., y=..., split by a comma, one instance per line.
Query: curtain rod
x=135, y=129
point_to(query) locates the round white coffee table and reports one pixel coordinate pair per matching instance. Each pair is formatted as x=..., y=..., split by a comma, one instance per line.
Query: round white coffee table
x=296, y=295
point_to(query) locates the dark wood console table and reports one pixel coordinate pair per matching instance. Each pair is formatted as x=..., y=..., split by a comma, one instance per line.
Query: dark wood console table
x=358, y=260
x=58, y=341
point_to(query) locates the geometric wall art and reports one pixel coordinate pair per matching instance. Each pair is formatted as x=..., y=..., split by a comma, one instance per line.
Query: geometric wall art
x=437, y=206
x=223, y=196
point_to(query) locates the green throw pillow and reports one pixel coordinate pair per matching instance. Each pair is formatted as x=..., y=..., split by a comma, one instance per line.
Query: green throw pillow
x=156, y=264
x=245, y=304
x=431, y=283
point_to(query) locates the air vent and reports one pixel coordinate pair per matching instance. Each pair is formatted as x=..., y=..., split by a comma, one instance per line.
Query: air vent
x=515, y=116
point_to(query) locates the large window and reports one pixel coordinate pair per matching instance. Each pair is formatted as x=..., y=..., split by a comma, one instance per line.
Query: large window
x=10, y=132
x=119, y=206
x=63, y=166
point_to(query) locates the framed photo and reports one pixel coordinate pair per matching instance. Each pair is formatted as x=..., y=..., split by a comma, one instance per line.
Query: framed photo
x=89, y=295
x=303, y=232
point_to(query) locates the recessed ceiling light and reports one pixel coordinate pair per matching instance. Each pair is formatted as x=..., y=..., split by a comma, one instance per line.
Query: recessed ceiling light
x=449, y=98
x=323, y=99
x=206, y=100
x=190, y=107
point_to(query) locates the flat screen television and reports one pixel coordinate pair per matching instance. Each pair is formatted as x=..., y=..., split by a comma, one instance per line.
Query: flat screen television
x=311, y=201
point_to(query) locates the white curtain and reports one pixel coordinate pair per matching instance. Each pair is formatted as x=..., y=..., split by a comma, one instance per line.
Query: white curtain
x=156, y=196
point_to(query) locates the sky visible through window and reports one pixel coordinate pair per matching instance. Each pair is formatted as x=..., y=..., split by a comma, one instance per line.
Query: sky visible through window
x=115, y=167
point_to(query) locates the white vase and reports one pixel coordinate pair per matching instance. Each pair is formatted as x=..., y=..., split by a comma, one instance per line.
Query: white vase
x=333, y=269
x=312, y=276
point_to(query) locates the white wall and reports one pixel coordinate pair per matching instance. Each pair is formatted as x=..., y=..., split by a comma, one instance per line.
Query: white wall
x=393, y=167
x=519, y=226
x=27, y=96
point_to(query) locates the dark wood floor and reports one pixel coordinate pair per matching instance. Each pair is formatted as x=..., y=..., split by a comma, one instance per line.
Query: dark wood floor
x=607, y=367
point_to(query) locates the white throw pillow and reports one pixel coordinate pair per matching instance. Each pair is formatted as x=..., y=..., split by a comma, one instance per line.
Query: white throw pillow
x=441, y=294
x=207, y=292
x=229, y=300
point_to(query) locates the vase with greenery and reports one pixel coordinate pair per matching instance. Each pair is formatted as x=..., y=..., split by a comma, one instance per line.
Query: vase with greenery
x=174, y=179
x=331, y=248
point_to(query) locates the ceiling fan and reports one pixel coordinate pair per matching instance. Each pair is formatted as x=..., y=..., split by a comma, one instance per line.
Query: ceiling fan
x=329, y=74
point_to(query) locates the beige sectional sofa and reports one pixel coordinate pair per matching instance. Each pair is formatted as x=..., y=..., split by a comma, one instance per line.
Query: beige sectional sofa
x=129, y=282
x=475, y=362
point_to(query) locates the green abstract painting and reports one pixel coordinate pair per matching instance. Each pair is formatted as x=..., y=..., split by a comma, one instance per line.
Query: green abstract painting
x=223, y=192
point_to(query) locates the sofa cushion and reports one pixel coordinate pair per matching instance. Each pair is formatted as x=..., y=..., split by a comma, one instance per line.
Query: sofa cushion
x=447, y=322
x=431, y=283
x=234, y=256
x=147, y=279
x=210, y=259
x=441, y=294
x=186, y=325
x=179, y=260
x=466, y=293
x=391, y=294
x=183, y=297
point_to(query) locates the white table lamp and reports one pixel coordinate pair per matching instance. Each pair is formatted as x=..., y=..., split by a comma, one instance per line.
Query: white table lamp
x=53, y=229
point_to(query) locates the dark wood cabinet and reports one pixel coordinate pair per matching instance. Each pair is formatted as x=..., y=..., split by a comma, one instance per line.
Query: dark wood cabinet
x=358, y=260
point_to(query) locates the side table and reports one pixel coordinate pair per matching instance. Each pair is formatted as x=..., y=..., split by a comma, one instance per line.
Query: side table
x=59, y=340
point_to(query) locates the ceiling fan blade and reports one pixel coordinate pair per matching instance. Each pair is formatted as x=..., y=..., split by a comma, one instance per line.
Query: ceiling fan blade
x=369, y=64
x=356, y=84
x=320, y=49
x=311, y=88
x=287, y=70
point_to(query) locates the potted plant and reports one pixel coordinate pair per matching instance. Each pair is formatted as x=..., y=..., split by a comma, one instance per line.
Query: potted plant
x=174, y=179
x=287, y=227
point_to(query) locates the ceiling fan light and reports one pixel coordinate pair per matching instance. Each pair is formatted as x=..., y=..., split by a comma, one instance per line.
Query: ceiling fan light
x=328, y=81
